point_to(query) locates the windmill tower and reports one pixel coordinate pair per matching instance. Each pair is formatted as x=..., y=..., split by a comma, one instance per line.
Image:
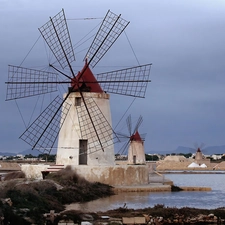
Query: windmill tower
x=81, y=121
x=73, y=143
x=198, y=155
x=135, y=144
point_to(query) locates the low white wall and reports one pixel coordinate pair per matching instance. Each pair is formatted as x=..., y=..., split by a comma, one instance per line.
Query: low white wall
x=116, y=175
x=33, y=171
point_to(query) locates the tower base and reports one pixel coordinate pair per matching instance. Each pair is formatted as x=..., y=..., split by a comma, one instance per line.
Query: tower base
x=119, y=175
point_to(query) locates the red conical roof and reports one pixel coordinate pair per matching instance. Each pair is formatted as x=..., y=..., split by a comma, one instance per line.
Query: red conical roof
x=136, y=137
x=87, y=80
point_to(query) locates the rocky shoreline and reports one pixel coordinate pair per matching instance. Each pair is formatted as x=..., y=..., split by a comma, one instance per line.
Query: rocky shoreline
x=158, y=215
x=28, y=202
x=168, y=216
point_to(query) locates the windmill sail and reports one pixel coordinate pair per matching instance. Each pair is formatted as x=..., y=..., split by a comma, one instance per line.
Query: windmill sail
x=110, y=29
x=43, y=132
x=24, y=82
x=94, y=123
x=56, y=34
x=130, y=81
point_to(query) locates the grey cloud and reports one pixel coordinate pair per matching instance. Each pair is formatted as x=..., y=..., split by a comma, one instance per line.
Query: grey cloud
x=183, y=39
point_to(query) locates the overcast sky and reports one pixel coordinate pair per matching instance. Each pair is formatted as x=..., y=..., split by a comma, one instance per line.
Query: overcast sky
x=184, y=40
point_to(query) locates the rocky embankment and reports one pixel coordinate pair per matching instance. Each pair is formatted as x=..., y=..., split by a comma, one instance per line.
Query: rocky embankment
x=24, y=201
x=43, y=202
x=160, y=215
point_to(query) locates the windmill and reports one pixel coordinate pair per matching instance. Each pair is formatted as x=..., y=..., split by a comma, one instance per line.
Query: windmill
x=134, y=144
x=88, y=137
x=199, y=155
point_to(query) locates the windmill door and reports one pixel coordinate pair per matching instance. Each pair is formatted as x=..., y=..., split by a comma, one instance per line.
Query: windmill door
x=82, y=152
x=134, y=159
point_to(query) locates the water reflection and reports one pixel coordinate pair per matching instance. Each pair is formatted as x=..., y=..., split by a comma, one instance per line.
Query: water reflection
x=135, y=200
x=113, y=202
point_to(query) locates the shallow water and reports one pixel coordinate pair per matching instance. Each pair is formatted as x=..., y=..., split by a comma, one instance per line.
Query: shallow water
x=207, y=199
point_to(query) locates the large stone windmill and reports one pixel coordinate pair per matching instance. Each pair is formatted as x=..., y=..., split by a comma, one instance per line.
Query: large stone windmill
x=81, y=121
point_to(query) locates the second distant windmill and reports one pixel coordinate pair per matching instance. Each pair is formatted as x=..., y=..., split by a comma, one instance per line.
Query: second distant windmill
x=134, y=145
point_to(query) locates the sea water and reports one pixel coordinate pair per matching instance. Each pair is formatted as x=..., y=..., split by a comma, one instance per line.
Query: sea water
x=197, y=199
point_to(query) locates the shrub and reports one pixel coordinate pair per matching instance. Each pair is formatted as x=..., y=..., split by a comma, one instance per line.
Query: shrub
x=67, y=177
x=14, y=175
x=77, y=188
x=42, y=196
x=175, y=188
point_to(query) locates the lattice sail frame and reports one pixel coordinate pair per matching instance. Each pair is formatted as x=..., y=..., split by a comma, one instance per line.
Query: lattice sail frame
x=129, y=127
x=43, y=132
x=24, y=82
x=101, y=126
x=110, y=29
x=131, y=81
x=56, y=34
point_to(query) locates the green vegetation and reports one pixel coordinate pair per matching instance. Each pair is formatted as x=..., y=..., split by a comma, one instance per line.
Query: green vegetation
x=175, y=188
x=187, y=155
x=45, y=157
x=40, y=157
x=151, y=157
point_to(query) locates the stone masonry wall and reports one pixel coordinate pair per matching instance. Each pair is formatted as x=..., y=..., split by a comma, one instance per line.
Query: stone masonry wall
x=115, y=175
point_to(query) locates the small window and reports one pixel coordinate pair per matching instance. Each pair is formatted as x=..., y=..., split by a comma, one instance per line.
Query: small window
x=78, y=101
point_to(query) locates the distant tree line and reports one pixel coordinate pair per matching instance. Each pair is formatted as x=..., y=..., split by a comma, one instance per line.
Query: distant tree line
x=151, y=157
x=45, y=157
x=186, y=155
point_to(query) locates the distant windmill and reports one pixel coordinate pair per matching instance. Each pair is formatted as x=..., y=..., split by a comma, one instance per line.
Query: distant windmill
x=82, y=120
x=134, y=142
x=199, y=155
